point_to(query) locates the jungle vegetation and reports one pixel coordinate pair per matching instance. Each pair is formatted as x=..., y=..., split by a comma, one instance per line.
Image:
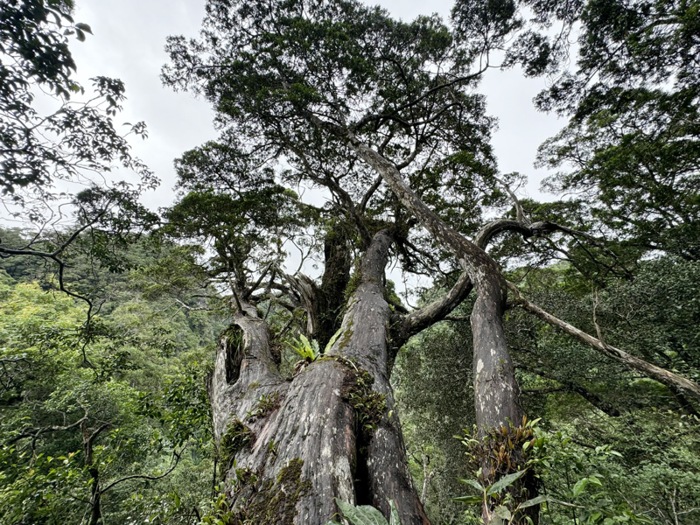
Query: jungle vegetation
x=243, y=357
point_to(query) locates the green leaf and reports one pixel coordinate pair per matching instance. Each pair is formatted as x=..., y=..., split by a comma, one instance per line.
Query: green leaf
x=394, y=519
x=534, y=501
x=470, y=500
x=579, y=487
x=332, y=340
x=533, y=423
x=473, y=483
x=361, y=515
x=83, y=27
x=503, y=512
x=595, y=480
x=504, y=482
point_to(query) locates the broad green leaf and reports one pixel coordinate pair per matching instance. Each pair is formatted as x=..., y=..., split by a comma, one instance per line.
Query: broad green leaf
x=534, y=501
x=595, y=480
x=361, y=515
x=503, y=512
x=332, y=340
x=473, y=483
x=470, y=500
x=533, y=423
x=84, y=27
x=504, y=482
x=579, y=487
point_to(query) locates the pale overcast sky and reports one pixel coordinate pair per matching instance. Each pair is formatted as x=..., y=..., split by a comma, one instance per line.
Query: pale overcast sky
x=128, y=42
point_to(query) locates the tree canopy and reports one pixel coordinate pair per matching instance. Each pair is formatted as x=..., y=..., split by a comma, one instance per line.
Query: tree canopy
x=630, y=90
x=252, y=345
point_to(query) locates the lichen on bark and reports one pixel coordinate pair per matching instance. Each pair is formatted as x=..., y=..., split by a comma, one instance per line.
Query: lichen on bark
x=274, y=502
x=267, y=501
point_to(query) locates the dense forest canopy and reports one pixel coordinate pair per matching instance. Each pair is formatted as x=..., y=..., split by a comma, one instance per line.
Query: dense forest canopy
x=181, y=367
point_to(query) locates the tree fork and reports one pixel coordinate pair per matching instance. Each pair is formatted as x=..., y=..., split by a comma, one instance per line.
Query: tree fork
x=332, y=424
x=495, y=389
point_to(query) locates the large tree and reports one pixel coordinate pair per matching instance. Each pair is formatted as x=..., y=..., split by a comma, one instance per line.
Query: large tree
x=379, y=116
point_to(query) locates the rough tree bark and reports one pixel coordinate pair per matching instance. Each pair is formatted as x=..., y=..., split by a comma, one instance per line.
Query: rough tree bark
x=288, y=449
x=495, y=388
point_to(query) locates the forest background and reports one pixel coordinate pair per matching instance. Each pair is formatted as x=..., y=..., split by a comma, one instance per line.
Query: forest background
x=113, y=315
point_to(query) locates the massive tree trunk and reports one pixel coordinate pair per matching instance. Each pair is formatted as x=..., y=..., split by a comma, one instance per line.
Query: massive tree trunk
x=496, y=394
x=289, y=448
x=494, y=379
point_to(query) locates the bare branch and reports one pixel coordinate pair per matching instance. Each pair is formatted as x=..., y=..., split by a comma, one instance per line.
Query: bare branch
x=34, y=433
x=488, y=232
x=519, y=211
x=367, y=196
x=176, y=460
x=673, y=381
x=246, y=294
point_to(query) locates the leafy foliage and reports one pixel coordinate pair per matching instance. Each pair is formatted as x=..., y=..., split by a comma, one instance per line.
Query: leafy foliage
x=401, y=86
x=123, y=409
x=630, y=148
x=34, y=36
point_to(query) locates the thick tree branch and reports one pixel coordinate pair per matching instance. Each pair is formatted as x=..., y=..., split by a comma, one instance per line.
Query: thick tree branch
x=368, y=195
x=436, y=311
x=418, y=320
x=493, y=228
x=673, y=381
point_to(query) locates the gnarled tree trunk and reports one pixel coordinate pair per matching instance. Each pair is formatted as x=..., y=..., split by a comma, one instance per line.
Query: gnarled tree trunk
x=288, y=449
x=496, y=391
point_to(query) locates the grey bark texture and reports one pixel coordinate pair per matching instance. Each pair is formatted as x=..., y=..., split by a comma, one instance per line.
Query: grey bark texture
x=316, y=440
x=495, y=389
